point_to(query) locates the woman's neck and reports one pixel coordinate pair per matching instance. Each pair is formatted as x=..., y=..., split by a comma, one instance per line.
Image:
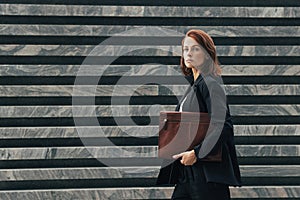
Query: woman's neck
x=196, y=73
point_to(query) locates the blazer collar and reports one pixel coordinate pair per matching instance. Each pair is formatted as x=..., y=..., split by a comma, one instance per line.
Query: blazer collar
x=198, y=80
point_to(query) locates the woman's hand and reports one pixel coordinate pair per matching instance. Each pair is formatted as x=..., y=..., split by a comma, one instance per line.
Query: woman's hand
x=187, y=158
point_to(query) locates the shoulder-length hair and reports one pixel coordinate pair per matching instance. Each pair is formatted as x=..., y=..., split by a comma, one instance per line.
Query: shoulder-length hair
x=211, y=64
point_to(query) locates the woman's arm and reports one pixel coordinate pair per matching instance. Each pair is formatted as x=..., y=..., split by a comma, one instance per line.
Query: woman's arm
x=214, y=96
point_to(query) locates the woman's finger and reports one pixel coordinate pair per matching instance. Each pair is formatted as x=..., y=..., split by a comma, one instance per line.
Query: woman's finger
x=178, y=156
x=182, y=162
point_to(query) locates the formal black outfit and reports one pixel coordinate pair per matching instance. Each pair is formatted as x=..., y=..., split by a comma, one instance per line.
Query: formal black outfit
x=205, y=180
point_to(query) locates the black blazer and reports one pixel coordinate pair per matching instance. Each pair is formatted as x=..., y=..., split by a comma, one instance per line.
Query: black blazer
x=206, y=94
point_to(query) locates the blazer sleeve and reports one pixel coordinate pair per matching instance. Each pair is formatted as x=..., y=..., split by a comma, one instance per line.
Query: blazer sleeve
x=214, y=97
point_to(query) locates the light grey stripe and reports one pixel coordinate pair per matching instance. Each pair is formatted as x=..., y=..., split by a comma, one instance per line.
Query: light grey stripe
x=139, y=90
x=109, y=30
x=134, y=131
x=130, y=172
x=141, y=70
x=147, y=11
x=121, y=50
x=132, y=152
x=145, y=193
x=136, y=110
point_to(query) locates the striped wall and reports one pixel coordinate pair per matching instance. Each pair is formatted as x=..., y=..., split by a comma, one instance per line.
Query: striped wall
x=66, y=132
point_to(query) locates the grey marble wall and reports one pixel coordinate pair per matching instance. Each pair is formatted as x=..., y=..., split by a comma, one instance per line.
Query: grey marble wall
x=136, y=110
x=266, y=151
x=131, y=50
x=109, y=30
x=149, y=90
x=132, y=131
x=146, y=193
x=148, y=11
x=130, y=172
x=141, y=70
x=70, y=153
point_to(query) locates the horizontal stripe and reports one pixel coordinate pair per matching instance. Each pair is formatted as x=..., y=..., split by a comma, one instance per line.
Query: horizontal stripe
x=136, y=90
x=125, y=49
x=92, y=162
x=130, y=172
x=135, y=110
x=129, y=121
x=146, y=11
x=60, y=100
x=145, y=40
x=125, y=151
x=119, y=30
x=138, y=60
x=136, y=80
x=111, y=71
x=267, y=192
x=158, y=21
x=162, y=3
x=138, y=100
x=127, y=182
x=133, y=141
x=139, y=132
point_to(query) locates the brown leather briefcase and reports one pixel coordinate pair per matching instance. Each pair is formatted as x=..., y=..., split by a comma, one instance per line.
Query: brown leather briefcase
x=182, y=131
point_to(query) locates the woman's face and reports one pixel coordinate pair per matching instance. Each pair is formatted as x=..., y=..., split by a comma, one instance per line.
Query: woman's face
x=193, y=53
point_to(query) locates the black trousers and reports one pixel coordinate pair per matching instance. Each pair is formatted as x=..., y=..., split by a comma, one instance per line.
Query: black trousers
x=192, y=184
x=198, y=191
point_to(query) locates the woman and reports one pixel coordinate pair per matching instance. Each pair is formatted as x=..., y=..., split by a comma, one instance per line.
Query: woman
x=195, y=178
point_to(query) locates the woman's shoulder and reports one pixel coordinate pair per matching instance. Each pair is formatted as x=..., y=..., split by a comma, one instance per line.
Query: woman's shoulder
x=208, y=81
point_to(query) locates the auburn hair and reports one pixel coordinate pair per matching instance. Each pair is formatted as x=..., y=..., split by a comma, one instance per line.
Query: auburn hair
x=211, y=65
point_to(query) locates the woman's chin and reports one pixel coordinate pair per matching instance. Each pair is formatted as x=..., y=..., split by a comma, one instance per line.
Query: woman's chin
x=189, y=65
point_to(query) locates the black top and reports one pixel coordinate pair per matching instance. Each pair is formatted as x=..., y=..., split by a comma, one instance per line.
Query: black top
x=206, y=94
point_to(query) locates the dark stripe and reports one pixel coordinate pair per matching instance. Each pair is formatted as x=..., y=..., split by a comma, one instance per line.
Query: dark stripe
x=134, y=141
x=127, y=182
x=250, y=3
x=257, y=120
x=150, y=21
x=92, y=40
x=134, y=100
x=80, y=121
x=136, y=60
x=257, y=160
x=264, y=99
x=266, y=140
x=91, y=80
x=261, y=79
x=88, y=162
x=68, y=142
x=134, y=40
x=75, y=60
x=275, y=180
x=141, y=100
x=139, y=80
x=77, y=183
x=124, y=121
x=92, y=162
x=280, y=198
